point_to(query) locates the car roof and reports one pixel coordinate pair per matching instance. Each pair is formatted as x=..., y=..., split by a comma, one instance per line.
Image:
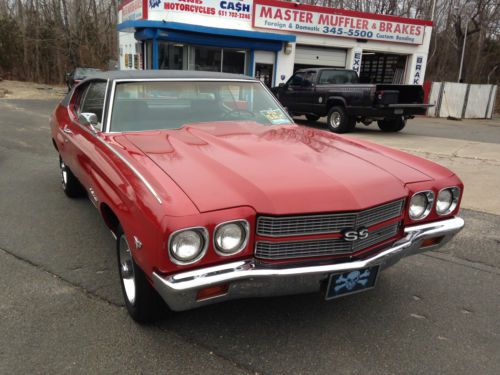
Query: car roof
x=159, y=74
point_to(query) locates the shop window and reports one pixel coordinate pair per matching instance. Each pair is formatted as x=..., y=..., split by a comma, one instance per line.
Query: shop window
x=233, y=61
x=149, y=54
x=212, y=59
x=170, y=56
x=207, y=59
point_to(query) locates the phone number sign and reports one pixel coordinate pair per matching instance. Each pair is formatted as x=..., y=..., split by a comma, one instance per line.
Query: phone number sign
x=178, y=10
x=326, y=21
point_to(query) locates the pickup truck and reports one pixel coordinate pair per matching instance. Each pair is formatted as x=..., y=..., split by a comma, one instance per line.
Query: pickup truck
x=337, y=94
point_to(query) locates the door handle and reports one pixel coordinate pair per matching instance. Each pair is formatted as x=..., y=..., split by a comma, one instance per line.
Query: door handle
x=67, y=130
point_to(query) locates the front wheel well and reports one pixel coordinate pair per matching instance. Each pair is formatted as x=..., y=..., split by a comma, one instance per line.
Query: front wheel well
x=110, y=218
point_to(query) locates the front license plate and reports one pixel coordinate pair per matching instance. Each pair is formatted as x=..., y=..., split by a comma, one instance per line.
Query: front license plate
x=342, y=284
x=398, y=111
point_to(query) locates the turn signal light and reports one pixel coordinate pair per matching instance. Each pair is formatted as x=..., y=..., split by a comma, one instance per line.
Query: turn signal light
x=431, y=241
x=212, y=291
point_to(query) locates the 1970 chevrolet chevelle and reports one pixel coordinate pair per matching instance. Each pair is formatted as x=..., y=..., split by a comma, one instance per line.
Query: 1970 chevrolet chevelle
x=213, y=193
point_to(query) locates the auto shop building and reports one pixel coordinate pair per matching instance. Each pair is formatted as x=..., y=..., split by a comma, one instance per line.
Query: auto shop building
x=270, y=39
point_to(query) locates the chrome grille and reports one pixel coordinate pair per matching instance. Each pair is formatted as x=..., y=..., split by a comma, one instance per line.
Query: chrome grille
x=321, y=247
x=285, y=226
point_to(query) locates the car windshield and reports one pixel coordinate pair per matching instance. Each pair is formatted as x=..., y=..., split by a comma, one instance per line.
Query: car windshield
x=149, y=105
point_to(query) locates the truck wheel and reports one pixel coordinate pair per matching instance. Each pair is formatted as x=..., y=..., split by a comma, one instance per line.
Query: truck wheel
x=312, y=117
x=338, y=121
x=69, y=183
x=392, y=125
x=141, y=300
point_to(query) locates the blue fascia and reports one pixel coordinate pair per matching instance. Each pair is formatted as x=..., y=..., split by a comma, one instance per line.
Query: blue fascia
x=132, y=26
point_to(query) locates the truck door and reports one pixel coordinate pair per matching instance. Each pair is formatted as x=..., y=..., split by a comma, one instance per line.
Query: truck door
x=289, y=93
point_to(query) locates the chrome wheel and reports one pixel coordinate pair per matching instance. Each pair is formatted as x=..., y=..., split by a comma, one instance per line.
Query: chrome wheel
x=64, y=174
x=335, y=120
x=127, y=273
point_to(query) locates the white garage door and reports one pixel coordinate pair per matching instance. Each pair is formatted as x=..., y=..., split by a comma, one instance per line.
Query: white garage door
x=320, y=56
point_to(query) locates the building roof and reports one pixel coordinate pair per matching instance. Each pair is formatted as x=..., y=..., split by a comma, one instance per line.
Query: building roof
x=177, y=74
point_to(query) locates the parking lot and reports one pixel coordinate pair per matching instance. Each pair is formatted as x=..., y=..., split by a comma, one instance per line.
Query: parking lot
x=62, y=310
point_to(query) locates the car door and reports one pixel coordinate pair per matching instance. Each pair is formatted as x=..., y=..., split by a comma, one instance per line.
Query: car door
x=83, y=137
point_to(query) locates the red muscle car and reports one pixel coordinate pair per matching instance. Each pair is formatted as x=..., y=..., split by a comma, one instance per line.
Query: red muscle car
x=213, y=193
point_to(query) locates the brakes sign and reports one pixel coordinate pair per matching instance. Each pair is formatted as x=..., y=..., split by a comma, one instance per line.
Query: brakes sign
x=333, y=22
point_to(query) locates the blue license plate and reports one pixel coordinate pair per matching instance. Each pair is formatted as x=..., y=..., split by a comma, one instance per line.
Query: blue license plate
x=341, y=284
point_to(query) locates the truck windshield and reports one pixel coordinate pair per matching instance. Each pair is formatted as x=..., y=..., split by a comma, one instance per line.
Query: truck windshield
x=149, y=105
x=338, y=77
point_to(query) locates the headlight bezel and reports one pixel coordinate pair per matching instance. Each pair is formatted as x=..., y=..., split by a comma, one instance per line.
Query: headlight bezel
x=430, y=196
x=204, y=236
x=455, y=198
x=246, y=228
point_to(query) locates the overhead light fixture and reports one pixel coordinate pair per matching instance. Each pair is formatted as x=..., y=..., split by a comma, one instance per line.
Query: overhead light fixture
x=288, y=48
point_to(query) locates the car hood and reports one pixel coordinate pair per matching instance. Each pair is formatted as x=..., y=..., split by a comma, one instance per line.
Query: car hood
x=274, y=169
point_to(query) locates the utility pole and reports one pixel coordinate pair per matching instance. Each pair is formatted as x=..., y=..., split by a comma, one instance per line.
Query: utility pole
x=463, y=52
x=433, y=10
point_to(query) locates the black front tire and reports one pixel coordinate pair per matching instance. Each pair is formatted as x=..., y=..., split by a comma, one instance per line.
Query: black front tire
x=69, y=183
x=312, y=117
x=392, y=125
x=338, y=120
x=141, y=299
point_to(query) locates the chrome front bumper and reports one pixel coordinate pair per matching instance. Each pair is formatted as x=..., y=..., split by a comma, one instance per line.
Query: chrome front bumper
x=249, y=279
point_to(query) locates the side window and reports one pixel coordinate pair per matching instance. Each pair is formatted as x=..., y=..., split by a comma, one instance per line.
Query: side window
x=309, y=79
x=337, y=77
x=77, y=99
x=296, y=79
x=328, y=77
x=93, y=100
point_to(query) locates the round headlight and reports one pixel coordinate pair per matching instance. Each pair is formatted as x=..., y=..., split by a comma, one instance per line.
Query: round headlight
x=447, y=200
x=421, y=204
x=188, y=245
x=230, y=238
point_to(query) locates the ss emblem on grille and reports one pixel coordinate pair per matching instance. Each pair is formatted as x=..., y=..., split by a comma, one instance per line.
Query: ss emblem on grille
x=355, y=234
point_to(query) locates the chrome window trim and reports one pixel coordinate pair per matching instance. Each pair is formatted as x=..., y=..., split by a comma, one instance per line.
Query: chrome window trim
x=121, y=80
x=246, y=227
x=204, y=234
x=430, y=205
x=105, y=106
x=454, y=201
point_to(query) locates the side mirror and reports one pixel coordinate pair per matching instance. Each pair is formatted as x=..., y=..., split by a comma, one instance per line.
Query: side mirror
x=89, y=119
x=282, y=84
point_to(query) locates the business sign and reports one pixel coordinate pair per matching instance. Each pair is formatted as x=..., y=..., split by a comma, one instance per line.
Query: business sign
x=357, y=55
x=178, y=10
x=419, y=71
x=291, y=17
x=131, y=10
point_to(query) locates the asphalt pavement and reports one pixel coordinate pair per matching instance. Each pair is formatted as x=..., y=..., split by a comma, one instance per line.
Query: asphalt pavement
x=61, y=307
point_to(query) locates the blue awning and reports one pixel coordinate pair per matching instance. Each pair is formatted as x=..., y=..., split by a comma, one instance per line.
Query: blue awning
x=204, y=35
